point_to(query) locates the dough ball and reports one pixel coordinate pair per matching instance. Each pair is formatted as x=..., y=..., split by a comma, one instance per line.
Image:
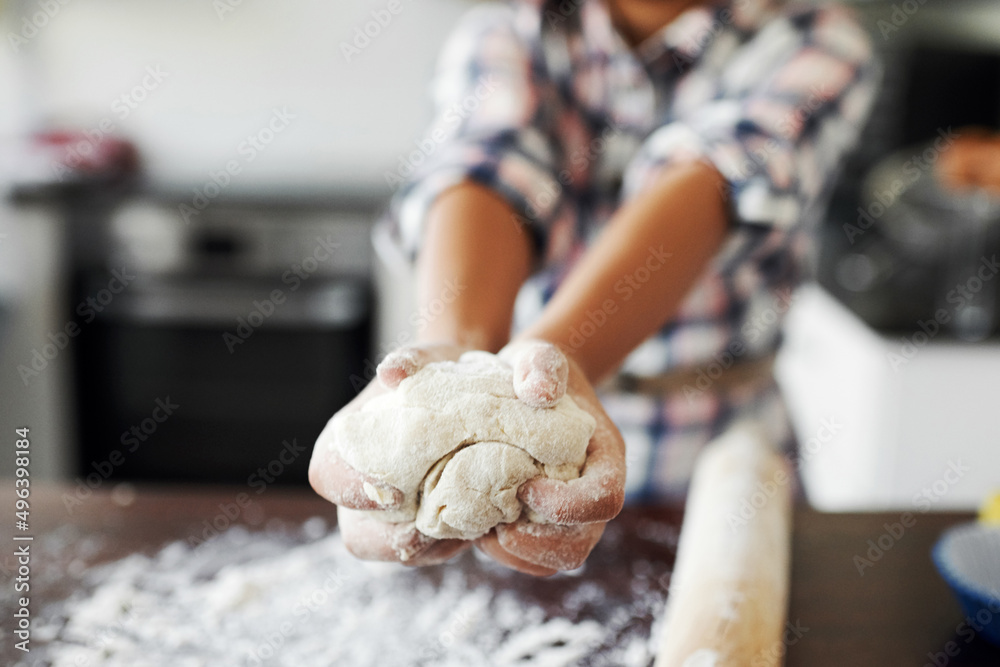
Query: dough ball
x=472, y=490
x=456, y=440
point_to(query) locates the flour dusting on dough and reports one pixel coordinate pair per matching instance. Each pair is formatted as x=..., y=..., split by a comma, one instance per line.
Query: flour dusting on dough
x=457, y=441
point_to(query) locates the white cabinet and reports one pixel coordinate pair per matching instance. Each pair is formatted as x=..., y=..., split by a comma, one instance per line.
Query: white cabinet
x=920, y=427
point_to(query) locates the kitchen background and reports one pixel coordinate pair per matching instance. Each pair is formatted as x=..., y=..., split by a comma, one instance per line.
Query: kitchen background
x=189, y=285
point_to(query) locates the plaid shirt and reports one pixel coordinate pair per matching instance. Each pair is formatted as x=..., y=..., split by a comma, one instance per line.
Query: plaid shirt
x=547, y=105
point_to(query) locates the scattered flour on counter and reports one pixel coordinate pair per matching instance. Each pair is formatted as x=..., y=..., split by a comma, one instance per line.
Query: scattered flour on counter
x=297, y=597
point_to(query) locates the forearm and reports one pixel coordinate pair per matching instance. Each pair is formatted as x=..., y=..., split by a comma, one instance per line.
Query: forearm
x=474, y=258
x=632, y=280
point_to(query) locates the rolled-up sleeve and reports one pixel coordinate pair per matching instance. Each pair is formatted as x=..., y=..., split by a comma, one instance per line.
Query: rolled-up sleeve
x=785, y=112
x=494, y=125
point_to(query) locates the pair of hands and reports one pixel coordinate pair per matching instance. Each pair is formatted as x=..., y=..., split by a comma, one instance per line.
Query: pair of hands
x=576, y=511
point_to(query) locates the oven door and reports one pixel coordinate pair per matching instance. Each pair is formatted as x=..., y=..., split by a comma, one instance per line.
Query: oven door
x=216, y=380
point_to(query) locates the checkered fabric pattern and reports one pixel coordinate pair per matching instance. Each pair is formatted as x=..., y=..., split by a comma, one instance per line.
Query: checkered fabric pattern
x=546, y=104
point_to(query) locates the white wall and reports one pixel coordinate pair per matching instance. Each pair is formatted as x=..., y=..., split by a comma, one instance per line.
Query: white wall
x=224, y=77
x=226, y=74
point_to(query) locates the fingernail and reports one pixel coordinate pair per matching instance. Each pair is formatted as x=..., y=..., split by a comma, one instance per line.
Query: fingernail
x=396, y=367
x=538, y=389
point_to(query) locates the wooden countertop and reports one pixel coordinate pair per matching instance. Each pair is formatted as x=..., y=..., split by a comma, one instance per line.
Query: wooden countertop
x=897, y=613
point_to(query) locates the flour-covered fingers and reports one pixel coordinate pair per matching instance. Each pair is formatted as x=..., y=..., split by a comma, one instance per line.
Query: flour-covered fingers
x=549, y=546
x=332, y=478
x=597, y=495
x=490, y=545
x=540, y=372
x=438, y=552
x=371, y=539
x=401, y=364
x=335, y=480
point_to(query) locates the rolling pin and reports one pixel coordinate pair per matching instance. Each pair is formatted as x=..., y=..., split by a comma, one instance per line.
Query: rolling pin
x=729, y=589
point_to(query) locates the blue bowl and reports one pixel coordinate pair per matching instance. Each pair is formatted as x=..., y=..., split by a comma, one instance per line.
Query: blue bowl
x=968, y=557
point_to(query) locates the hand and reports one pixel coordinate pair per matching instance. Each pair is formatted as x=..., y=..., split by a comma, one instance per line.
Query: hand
x=365, y=536
x=973, y=161
x=577, y=510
